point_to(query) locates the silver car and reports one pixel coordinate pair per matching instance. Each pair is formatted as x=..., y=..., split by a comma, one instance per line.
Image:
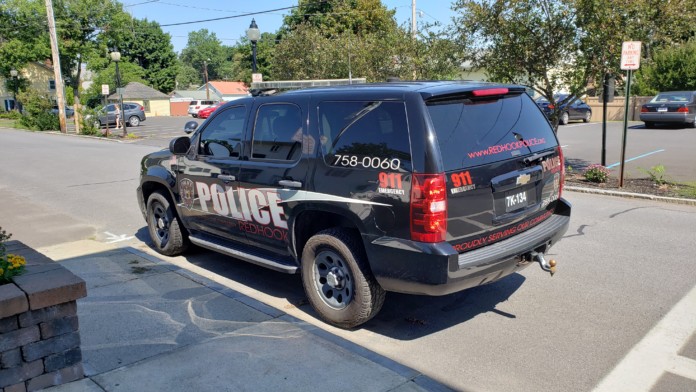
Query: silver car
x=133, y=113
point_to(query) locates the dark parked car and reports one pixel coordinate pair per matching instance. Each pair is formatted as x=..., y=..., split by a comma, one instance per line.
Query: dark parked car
x=413, y=187
x=575, y=110
x=670, y=107
x=69, y=111
x=134, y=114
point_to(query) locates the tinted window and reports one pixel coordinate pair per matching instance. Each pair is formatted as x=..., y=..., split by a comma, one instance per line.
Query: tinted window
x=223, y=134
x=193, y=103
x=278, y=133
x=365, y=135
x=681, y=97
x=475, y=133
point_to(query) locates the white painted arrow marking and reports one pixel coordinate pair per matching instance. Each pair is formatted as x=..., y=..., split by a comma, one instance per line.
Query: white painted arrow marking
x=113, y=238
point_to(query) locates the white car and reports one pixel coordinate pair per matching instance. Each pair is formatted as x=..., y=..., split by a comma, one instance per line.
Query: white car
x=198, y=104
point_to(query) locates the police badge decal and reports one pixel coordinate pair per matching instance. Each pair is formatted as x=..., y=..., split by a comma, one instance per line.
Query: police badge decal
x=186, y=192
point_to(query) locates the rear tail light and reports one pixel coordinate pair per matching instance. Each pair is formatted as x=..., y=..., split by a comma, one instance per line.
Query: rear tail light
x=428, y=207
x=644, y=110
x=683, y=109
x=562, y=180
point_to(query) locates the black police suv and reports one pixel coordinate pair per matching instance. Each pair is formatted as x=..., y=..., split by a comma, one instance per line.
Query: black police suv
x=412, y=187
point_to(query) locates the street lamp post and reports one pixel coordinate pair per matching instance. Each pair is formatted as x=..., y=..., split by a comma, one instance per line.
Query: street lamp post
x=14, y=73
x=253, y=33
x=116, y=58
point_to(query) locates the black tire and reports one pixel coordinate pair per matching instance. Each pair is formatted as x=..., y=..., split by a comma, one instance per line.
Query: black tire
x=587, y=117
x=693, y=123
x=168, y=236
x=649, y=124
x=338, y=281
x=563, y=120
x=134, y=121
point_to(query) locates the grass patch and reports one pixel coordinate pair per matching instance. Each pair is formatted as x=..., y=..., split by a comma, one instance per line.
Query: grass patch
x=687, y=189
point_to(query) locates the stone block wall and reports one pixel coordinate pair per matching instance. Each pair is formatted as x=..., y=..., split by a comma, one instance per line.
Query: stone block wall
x=39, y=328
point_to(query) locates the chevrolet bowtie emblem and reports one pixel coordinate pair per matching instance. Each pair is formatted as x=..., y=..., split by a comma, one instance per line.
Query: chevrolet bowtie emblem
x=523, y=179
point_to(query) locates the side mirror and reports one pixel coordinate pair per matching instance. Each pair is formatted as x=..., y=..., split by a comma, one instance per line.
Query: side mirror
x=190, y=126
x=180, y=145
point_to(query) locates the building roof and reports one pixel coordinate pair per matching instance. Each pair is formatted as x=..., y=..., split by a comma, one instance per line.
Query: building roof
x=135, y=90
x=228, y=88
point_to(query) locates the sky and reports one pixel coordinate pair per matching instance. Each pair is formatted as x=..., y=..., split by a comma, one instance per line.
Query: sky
x=228, y=31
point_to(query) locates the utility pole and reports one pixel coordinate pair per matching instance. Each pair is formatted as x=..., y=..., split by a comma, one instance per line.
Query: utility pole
x=413, y=33
x=205, y=72
x=57, y=74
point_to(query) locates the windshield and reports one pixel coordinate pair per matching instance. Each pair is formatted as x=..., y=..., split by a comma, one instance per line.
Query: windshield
x=682, y=97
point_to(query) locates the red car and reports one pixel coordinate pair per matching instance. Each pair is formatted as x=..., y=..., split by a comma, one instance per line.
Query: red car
x=205, y=113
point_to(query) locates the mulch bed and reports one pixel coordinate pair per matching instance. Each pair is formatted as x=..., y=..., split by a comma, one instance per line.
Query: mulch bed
x=632, y=185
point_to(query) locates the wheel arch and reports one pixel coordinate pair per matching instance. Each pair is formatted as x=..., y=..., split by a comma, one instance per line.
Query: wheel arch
x=309, y=222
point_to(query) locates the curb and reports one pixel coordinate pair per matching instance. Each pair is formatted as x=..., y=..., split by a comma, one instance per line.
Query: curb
x=672, y=200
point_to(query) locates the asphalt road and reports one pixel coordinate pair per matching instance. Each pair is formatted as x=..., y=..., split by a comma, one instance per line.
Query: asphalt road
x=623, y=266
x=672, y=147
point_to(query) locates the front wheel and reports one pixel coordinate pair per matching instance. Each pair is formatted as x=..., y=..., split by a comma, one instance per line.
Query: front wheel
x=134, y=121
x=163, y=224
x=564, y=118
x=587, y=118
x=338, y=281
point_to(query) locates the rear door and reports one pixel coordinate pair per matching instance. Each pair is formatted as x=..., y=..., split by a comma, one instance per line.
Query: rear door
x=502, y=162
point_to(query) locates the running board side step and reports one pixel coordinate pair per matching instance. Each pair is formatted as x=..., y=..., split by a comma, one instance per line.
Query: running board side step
x=251, y=258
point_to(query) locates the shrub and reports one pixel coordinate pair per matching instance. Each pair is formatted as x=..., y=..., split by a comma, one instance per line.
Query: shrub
x=10, y=265
x=657, y=174
x=11, y=115
x=88, y=121
x=596, y=173
x=37, y=111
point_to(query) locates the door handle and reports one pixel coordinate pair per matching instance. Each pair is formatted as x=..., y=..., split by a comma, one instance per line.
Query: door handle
x=226, y=178
x=290, y=183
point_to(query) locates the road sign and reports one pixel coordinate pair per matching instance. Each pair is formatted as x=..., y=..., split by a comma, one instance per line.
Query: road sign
x=105, y=89
x=256, y=77
x=630, y=55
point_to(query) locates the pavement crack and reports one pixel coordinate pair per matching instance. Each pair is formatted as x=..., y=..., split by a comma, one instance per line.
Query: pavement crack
x=101, y=183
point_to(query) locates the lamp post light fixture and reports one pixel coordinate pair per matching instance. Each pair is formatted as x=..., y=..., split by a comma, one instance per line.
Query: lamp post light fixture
x=254, y=34
x=116, y=58
x=14, y=73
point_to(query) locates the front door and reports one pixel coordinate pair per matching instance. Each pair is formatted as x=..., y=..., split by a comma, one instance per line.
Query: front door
x=273, y=172
x=208, y=176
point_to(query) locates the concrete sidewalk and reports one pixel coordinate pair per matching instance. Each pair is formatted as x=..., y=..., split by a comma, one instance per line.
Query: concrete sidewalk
x=148, y=325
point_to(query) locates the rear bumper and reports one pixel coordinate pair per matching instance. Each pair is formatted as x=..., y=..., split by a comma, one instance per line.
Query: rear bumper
x=668, y=117
x=437, y=269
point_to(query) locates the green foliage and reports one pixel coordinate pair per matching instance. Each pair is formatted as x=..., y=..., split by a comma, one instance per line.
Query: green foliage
x=657, y=174
x=203, y=50
x=596, y=173
x=37, y=111
x=336, y=17
x=671, y=69
x=10, y=265
x=88, y=123
x=11, y=115
x=129, y=72
x=687, y=189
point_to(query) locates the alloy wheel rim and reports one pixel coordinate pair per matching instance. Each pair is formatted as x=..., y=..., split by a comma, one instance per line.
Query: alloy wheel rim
x=161, y=222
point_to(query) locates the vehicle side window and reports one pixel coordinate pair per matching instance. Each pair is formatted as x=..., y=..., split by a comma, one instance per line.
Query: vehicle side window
x=278, y=133
x=370, y=135
x=222, y=136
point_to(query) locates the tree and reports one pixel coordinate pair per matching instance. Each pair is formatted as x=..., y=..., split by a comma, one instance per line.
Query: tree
x=129, y=72
x=670, y=69
x=335, y=17
x=205, y=49
x=145, y=44
x=241, y=57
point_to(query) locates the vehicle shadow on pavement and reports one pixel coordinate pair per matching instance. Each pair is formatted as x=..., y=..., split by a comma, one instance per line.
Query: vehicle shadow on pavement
x=403, y=316
x=577, y=165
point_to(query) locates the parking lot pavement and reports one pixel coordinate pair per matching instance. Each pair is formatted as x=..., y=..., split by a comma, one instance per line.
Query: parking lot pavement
x=665, y=359
x=147, y=325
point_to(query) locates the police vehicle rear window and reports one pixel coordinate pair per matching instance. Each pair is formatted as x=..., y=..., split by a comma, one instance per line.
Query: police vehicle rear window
x=472, y=133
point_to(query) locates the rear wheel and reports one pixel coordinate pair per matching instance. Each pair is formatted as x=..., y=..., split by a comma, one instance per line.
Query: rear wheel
x=649, y=124
x=564, y=118
x=338, y=281
x=134, y=121
x=165, y=230
x=587, y=118
x=693, y=123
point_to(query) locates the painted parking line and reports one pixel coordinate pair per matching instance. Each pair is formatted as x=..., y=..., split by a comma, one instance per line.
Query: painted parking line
x=657, y=353
x=634, y=158
x=576, y=125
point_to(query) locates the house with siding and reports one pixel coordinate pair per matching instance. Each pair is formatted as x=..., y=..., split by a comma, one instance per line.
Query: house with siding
x=155, y=102
x=40, y=77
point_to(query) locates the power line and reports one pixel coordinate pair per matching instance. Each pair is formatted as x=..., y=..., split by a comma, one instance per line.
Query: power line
x=229, y=17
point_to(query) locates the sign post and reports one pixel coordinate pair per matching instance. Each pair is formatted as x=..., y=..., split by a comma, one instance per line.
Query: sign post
x=630, y=61
x=105, y=92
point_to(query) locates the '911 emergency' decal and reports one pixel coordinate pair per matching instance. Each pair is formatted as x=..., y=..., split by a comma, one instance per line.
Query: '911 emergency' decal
x=390, y=183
